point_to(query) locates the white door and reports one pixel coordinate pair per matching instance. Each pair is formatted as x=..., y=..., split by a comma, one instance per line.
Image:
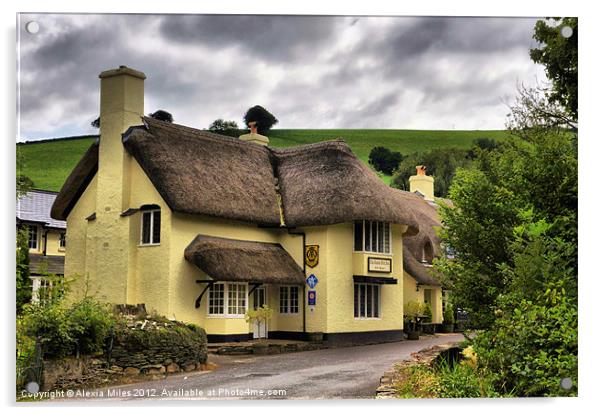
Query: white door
x=260, y=328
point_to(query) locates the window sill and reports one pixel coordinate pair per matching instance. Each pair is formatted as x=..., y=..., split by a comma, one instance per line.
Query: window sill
x=368, y=318
x=289, y=314
x=224, y=316
x=373, y=253
x=147, y=245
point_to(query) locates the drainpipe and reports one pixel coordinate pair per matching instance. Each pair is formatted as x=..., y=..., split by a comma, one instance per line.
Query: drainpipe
x=45, y=242
x=304, y=272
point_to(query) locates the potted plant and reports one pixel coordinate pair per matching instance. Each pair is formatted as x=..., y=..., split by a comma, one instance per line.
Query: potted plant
x=427, y=322
x=448, y=319
x=413, y=313
x=259, y=315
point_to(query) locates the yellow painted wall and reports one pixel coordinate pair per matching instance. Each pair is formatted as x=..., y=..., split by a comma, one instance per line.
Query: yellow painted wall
x=410, y=294
x=52, y=243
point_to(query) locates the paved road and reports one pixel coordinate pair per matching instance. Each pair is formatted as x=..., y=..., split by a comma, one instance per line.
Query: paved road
x=350, y=372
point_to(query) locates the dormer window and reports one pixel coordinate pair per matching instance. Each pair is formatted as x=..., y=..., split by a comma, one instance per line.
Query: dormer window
x=372, y=236
x=150, y=233
x=427, y=254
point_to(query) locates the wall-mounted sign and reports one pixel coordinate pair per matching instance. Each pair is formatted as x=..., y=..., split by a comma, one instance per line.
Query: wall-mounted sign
x=312, y=255
x=312, y=281
x=311, y=298
x=379, y=264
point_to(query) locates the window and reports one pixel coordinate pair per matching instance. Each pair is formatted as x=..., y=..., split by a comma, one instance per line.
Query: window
x=289, y=300
x=227, y=299
x=151, y=227
x=32, y=231
x=41, y=290
x=427, y=254
x=62, y=241
x=372, y=236
x=366, y=301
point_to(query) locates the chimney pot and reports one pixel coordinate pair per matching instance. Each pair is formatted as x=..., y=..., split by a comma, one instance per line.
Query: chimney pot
x=421, y=170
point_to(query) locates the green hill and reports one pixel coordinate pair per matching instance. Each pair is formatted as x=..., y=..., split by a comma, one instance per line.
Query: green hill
x=48, y=163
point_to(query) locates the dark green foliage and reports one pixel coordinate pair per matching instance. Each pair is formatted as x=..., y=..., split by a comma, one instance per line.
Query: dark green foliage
x=440, y=163
x=229, y=128
x=384, y=160
x=264, y=119
x=559, y=56
x=448, y=315
x=23, y=282
x=66, y=329
x=482, y=144
x=532, y=347
x=96, y=123
x=161, y=115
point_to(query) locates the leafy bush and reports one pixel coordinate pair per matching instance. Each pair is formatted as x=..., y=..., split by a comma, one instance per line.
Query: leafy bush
x=530, y=349
x=428, y=312
x=90, y=323
x=22, y=261
x=64, y=330
x=448, y=315
x=463, y=381
x=384, y=160
x=417, y=382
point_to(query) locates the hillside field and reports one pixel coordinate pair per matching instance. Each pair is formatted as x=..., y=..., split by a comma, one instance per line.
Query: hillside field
x=49, y=163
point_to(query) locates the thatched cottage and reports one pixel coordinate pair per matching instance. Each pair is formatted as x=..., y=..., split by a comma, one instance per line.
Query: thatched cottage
x=201, y=227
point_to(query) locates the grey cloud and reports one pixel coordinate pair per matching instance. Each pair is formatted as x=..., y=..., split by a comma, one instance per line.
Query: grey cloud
x=275, y=38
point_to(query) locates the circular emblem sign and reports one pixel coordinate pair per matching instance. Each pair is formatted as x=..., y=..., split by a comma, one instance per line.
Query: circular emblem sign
x=312, y=255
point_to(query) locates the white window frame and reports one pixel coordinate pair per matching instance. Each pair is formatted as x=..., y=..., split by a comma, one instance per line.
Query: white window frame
x=226, y=289
x=29, y=239
x=363, y=250
x=288, y=306
x=152, y=224
x=38, y=283
x=376, y=306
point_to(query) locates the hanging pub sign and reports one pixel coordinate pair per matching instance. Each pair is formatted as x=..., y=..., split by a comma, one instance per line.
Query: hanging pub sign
x=379, y=264
x=312, y=255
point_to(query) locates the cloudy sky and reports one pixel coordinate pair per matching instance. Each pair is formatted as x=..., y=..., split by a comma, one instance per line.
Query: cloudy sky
x=309, y=71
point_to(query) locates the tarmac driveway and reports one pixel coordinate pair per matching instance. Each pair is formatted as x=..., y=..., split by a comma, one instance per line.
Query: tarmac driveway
x=348, y=372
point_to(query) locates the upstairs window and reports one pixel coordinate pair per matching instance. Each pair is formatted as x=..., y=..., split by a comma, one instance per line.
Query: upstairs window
x=372, y=236
x=32, y=234
x=151, y=227
x=427, y=254
x=62, y=240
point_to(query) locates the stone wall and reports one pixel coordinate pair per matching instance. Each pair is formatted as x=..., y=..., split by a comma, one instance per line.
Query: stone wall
x=138, y=347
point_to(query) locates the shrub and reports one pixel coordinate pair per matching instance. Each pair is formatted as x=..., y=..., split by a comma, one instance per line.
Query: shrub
x=428, y=312
x=48, y=324
x=463, y=381
x=412, y=311
x=90, y=322
x=417, y=382
x=530, y=349
x=448, y=315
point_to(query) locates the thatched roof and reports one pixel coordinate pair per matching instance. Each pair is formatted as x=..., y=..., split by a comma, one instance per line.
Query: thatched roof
x=325, y=183
x=235, y=260
x=199, y=172
x=76, y=184
x=413, y=246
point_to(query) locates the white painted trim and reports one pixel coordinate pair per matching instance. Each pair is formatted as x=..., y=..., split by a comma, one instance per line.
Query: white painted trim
x=152, y=222
x=363, y=251
x=226, y=315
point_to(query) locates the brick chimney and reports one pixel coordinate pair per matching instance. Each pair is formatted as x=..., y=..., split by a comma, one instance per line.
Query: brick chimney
x=423, y=183
x=121, y=106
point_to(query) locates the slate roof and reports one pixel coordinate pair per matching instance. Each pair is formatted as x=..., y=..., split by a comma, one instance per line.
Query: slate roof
x=35, y=206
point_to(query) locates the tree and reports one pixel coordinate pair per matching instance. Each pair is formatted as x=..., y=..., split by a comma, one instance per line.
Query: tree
x=384, y=160
x=22, y=260
x=441, y=162
x=161, y=115
x=264, y=119
x=559, y=56
x=223, y=125
x=24, y=183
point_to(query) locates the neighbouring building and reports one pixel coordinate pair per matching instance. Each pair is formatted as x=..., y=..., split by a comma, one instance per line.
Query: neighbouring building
x=46, y=237
x=200, y=227
x=421, y=249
